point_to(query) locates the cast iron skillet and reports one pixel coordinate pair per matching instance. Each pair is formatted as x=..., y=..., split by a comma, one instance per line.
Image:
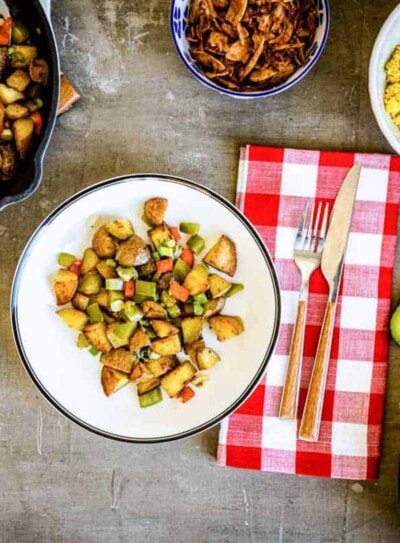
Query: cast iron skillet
x=29, y=174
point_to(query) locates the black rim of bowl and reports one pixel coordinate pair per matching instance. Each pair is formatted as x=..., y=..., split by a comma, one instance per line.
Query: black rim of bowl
x=94, y=188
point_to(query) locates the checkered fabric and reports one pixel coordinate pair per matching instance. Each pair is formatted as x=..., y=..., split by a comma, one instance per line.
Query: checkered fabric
x=273, y=186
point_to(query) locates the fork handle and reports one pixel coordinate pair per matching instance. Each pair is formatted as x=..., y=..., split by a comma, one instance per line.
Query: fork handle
x=290, y=395
x=311, y=421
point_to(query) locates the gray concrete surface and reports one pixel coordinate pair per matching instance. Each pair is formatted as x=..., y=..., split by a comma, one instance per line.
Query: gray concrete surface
x=141, y=111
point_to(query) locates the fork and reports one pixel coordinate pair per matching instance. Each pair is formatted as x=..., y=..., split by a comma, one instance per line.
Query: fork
x=307, y=256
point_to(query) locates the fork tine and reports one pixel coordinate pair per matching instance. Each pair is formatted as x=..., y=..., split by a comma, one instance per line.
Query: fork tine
x=300, y=231
x=322, y=233
x=316, y=225
x=307, y=240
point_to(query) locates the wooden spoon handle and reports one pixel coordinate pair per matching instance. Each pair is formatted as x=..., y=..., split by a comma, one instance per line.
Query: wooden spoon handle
x=311, y=421
x=290, y=395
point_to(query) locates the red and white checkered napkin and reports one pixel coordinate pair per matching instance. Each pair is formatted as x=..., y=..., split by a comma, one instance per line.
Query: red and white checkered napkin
x=273, y=186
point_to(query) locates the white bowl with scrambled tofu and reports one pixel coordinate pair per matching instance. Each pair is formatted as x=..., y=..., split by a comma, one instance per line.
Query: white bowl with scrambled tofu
x=145, y=308
x=384, y=79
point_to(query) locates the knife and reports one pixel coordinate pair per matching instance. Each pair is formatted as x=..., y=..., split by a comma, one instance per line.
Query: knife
x=331, y=267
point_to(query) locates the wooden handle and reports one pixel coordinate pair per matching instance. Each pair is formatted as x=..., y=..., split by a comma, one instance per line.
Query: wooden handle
x=290, y=395
x=310, y=423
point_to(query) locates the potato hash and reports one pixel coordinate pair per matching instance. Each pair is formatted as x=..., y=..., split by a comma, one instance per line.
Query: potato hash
x=140, y=304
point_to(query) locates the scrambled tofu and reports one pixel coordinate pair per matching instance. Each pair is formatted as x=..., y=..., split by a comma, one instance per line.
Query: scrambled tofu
x=392, y=91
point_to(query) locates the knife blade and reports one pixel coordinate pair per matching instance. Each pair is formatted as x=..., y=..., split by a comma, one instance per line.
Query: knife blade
x=332, y=266
x=338, y=231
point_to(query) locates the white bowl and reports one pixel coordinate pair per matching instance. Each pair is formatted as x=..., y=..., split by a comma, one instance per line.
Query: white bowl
x=388, y=38
x=70, y=378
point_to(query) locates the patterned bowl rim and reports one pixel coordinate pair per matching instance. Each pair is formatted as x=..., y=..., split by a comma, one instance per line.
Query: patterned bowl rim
x=258, y=94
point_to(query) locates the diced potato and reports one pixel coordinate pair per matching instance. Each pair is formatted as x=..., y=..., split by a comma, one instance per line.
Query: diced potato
x=90, y=283
x=197, y=280
x=191, y=329
x=22, y=55
x=101, y=298
x=106, y=271
x=140, y=373
x=192, y=348
x=65, y=283
x=103, y=244
x=222, y=256
x=153, y=310
x=139, y=340
x=9, y=95
x=112, y=380
x=155, y=210
x=160, y=235
x=146, y=386
x=163, y=328
x=89, y=261
x=206, y=358
x=73, y=318
x=96, y=335
x=167, y=346
x=39, y=71
x=19, y=80
x=82, y=342
x=80, y=301
x=147, y=269
x=162, y=365
x=24, y=134
x=8, y=161
x=212, y=307
x=178, y=378
x=218, y=286
x=16, y=111
x=133, y=252
x=119, y=359
x=226, y=327
x=120, y=228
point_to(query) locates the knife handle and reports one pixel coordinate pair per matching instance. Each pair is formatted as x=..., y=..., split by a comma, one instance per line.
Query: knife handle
x=311, y=421
x=290, y=395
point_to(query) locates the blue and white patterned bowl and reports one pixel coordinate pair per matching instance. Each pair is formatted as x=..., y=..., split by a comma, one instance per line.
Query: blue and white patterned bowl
x=178, y=22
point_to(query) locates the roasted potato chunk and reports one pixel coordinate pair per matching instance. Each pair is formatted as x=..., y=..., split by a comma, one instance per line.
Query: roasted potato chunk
x=146, y=386
x=80, y=301
x=212, y=307
x=191, y=329
x=106, y=271
x=90, y=283
x=192, y=348
x=9, y=95
x=222, y=256
x=16, y=111
x=103, y=244
x=178, y=378
x=112, y=380
x=65, y=283
x=155, y=210
x=160, y=235
x=139, y=340
x=97, y=336
x=197, y=280
x=162, y=365
x=24, y=134
x=153, y=310
x=89, y=261
x=8, y=161
x=19, y=80
x=39, y=71
x=163, y=328
x=119, y=359
x=22, y=55
x=120, y=228
x=218, y=286
x=140, y=373
x=167, y=346
x=133, y=252
x=73, y=318
x=226, y=327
